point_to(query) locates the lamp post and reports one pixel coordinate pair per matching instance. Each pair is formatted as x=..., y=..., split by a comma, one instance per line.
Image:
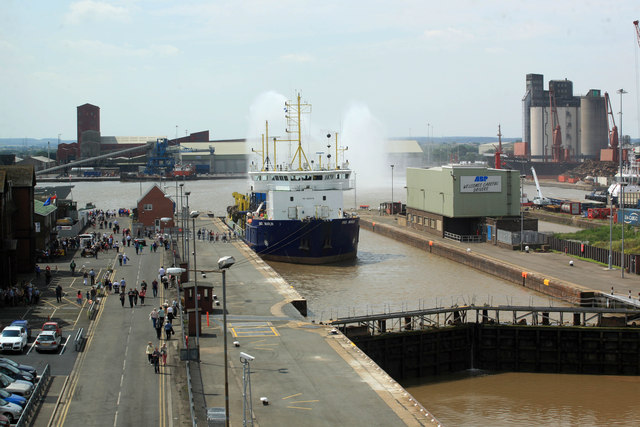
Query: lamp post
x=194, y=215
x=223, y=264
x=181, y=222
x=521, y=214
x=392, y=204
x=621, y=192
x=610, y=203
x=185, y=220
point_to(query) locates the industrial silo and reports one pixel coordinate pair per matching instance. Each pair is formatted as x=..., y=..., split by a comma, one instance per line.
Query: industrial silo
x=593, y=124
x=538, y=117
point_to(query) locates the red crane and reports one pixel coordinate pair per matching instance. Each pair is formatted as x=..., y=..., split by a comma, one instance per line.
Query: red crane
x=613, y=130
x=497, y=156
x=635, y=23
x=557, y=153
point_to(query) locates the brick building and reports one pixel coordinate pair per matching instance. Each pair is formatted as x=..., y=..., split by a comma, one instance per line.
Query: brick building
x=152, y=206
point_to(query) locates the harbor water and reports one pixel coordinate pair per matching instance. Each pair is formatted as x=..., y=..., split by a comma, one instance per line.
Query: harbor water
x=389, y=276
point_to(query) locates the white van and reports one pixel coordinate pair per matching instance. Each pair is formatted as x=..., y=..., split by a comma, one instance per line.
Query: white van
x=86, y=240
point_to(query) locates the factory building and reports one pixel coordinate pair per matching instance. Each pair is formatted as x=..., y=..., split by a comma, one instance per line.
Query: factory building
x=582, y=121
x=455, y=200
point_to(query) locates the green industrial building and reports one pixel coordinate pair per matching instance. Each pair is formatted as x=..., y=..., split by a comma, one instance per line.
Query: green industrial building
x=456, y=201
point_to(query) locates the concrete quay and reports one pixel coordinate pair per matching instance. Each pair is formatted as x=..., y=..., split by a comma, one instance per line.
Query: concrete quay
x=311, y=374
x=545, y=272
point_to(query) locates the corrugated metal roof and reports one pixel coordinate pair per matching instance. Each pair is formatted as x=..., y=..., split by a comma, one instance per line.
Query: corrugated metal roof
x=40, y=209
x=124, y=140
x=403, y=146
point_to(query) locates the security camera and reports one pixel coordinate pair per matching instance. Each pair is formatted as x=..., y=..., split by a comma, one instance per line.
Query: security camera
x=247, y=357
x=226, y=262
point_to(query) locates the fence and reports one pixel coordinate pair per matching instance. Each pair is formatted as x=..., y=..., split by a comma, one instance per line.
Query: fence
x=34, y=400
x=573, y=247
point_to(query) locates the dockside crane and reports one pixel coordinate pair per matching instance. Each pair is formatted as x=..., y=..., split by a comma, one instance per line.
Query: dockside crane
x=539, y=200
x=613, y=130
x=498, y=154
x=557, y=153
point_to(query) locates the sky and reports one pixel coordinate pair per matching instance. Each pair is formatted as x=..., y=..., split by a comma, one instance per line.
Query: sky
x=417, y=67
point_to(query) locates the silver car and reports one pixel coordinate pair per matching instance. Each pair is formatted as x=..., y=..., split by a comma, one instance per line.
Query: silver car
x=19, y=387
x=48, y=341
x=10, y=410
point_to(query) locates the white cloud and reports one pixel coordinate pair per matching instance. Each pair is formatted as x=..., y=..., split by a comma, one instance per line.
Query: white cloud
x=89, y=48
x=95, y=10
x=448, y=35
x=297, y=57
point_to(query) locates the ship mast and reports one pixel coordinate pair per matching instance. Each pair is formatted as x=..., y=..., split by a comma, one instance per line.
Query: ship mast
x=296, y=121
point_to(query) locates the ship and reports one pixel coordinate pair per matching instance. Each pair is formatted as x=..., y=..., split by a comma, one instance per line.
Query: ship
x=294, y=212
x=184, y=170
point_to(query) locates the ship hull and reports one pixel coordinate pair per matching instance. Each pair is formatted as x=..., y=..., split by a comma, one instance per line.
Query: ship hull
x=313, y=241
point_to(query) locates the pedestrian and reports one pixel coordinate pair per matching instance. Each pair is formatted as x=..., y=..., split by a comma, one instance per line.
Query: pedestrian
x=158, y=330
x=92, y=274
x=163, y=352
x=137, y=247
x=47, y=275
x=123, y=284
x=120, y=258
x=37, y=272
x=170, y=314
x=154, y=317
x=122, y=299
x=161, y=316
x=130, y=294
x=154, y=287
x=168, y=329
x=93, y=293
x=59, y=293
x=72, y=266
x=149, y=351
x=155, y=359
x=79, y=298
x=124, y=258
x=165, y=282
x=143, y=293
x=85, y=278
x=136, y=294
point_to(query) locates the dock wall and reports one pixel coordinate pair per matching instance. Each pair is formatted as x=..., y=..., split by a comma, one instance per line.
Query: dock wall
x=505, y=348
x=547, y=285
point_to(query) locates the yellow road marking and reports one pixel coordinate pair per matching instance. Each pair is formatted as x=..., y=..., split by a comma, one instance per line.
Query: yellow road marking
x=305, y=401
x=299, y=407
x=293, y=395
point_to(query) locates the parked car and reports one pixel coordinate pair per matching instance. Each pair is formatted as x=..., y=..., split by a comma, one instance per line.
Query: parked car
x=27, y=368
x=140, y=240
x=52, y=326
x=13, y=338
x=24, y=324
x=16, y=373
x=19, y=387
x=10, y=410
x=13, y=398
x=48, y=341
x=4, y=421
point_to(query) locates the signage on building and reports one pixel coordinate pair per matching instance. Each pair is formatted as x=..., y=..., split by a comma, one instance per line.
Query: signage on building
x=480, y=184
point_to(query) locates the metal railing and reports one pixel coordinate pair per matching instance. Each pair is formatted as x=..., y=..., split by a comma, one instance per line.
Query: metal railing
x=32, y=404
x=471, y=238
x=78, y=340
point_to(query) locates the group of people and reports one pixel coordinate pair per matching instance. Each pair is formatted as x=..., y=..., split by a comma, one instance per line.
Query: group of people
x=162, y=318
x=154, y=355
x=23, y=294
x=134, y=294
x=208, y=235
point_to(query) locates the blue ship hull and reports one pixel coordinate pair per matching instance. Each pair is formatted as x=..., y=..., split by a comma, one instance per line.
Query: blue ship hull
x=312, y=241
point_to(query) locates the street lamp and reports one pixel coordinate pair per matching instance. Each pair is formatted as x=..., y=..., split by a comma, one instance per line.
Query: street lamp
x=621, y=192
x=223, y=264
x=194, y=215
x=521, y=213
x=181, y=221
x=392, y=204
x=185, y=230
x=166, y=220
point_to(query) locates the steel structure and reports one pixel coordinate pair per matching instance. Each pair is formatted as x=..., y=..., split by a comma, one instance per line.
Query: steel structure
x=613, y=130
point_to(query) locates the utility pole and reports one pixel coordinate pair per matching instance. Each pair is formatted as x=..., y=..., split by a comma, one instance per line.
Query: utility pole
x=621, y=193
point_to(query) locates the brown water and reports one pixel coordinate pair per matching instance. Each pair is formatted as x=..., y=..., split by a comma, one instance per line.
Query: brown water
x=390, y=276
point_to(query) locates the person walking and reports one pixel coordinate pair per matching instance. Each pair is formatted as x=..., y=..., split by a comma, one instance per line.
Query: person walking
x=143, y=293
x=136, y=294
x=122, y=299
x=59, y=293
x=158, y=330
x=154, y=287
x=72, y=266
x=149, y=351
x=154, y=317
x=130, y=294
x=79, y=298
x=168, y=329
x=163, y=352
x=123, y=284
x=120, y=259
x=161, y=315
x=92, y=275
x=47, y=275
x=155, y=359
x=124, y=258
x=85, y=278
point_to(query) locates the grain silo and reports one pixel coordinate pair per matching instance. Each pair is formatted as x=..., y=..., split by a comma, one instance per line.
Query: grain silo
x=593, y=124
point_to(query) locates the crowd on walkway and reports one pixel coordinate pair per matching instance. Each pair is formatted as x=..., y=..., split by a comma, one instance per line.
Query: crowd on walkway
x=211, y=236
x=23, y=294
